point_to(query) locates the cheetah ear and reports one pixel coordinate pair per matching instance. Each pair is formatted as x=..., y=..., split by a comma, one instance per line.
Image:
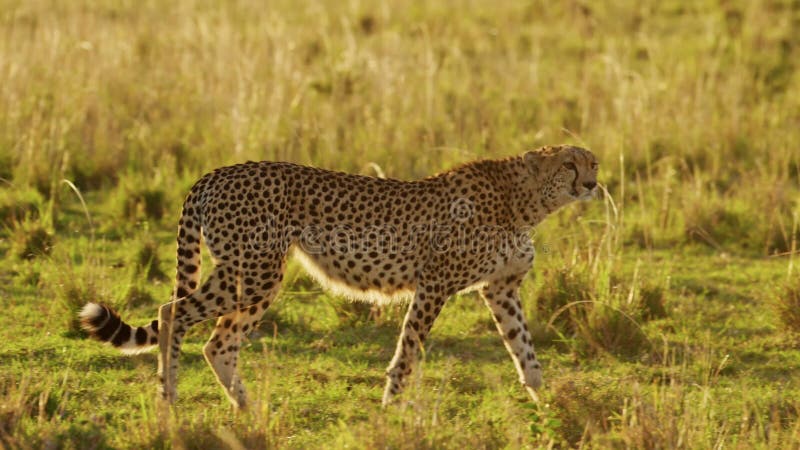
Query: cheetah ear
x=535, y=161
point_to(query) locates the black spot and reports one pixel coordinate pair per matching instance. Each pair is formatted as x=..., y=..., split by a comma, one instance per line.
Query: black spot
x=122, y=336
x=104, y=334
x=141, y=336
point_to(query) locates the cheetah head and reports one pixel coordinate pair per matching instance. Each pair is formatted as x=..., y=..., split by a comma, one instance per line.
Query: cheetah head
x=563, y=173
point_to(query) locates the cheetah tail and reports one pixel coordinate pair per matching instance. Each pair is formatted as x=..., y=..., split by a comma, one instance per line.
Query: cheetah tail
x=104, y=324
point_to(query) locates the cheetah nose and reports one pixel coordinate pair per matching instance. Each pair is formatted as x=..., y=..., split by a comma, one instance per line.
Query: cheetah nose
x=590, y=185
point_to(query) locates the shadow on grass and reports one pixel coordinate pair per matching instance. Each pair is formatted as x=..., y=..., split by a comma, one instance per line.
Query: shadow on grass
x=340, y=343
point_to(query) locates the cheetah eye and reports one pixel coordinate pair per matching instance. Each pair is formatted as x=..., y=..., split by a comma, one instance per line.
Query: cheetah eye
x=571, y=166
x=595, y=166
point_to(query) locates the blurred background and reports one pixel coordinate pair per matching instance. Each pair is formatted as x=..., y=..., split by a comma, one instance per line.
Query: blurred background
x=690, y=105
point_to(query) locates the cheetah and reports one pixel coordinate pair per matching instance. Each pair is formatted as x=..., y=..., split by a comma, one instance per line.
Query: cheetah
x=369, y=238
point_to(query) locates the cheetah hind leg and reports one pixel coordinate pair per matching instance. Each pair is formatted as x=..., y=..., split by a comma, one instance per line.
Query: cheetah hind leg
x=222, y=354
x=176, y=317
x=222, y=350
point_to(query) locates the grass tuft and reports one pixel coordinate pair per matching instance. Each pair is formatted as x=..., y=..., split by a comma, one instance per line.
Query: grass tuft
x=584, y=403
x=18, y=205
x=139, y=296
x=653, y=301
x=787, y=304
x=147, y=262
x=72, y=294
x=599, y=313
x=562, y=287
x=144, y=203
x=604, y=327
x=30, y=239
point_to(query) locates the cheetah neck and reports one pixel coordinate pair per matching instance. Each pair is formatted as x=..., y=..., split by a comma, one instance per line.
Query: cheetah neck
x=526, y=194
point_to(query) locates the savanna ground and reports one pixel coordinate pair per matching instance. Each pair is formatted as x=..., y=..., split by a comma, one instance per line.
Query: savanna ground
x=666, y=314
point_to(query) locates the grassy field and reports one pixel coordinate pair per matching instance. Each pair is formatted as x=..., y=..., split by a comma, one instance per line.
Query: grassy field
x=666, y=315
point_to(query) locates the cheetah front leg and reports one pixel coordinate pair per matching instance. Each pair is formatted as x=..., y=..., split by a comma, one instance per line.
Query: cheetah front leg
x=422, y=312
x=502, y=297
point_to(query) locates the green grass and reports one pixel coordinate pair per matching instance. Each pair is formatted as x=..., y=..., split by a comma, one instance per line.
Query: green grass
x=665, y=316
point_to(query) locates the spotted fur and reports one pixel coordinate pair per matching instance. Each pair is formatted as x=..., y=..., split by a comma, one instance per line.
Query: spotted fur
x=373, y=239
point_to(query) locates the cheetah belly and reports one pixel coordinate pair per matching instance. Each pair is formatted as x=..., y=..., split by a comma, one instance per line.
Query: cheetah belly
x=360, y=277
